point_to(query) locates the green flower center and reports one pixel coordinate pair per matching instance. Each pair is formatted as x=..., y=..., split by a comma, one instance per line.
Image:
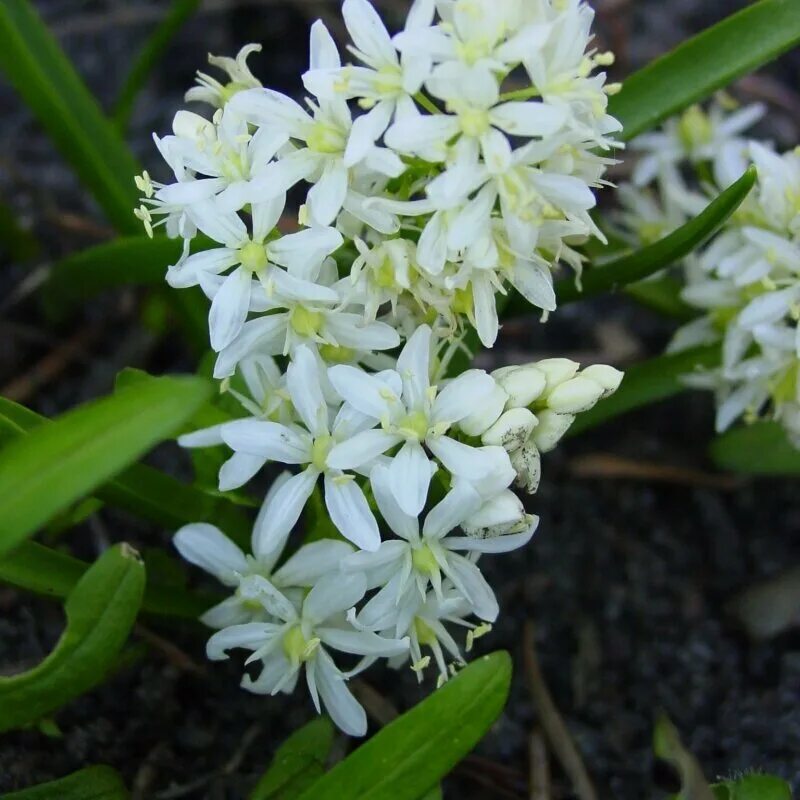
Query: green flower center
x=337, y=354
x=325, y=138
x=414, y=426
x=306, y=321
x=253, y=256
x=424, y=632
x=319, y=452
x=297, y=648
x=424, y=561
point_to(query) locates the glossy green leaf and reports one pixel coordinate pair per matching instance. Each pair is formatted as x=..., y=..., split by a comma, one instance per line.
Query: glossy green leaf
x=38, y=69
x=759, y=449
x=753, y=786
x=649, y=260
x=90, y=783
x=100, y=610
x=149, y=56
x=143, y=491
x=707, y=62
x=412, y=754
x=49, y=572
x=667, y=745
x=648, y=382
x=298, y=763
x=57, y=464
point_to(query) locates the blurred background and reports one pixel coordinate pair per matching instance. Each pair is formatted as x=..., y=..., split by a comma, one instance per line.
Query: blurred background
x=634, y=585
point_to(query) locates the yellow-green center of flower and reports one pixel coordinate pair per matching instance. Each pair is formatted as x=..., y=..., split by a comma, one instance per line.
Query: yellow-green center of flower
x=253, y=256
x=462, y=300
x=297, y=648
x=319, y=452
x=695, y=128
x=785, y=390
x=414, y=426
x=325, y=138
x=425, y=634
x=306, y=321
x=384, y=275
x=337, y=354
x=388, y=80
x=474, y=122
x=424, y=561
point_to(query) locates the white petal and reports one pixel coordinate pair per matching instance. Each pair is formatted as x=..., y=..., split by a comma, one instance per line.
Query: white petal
x=187, y=272
x=344, y=709
x=334, y=593
x=281, y=512
x=461, y=459
x=268, y=439
x=311, y=562
x=207, y=547
x=462, y=396
x=528, y=119
x=326, y=198
x=419, y=133
x=350, y=512
x=361, y=449
x=362, y=643
x=349, y=330
x=367, y=31
x=324, y=54
x=226, y=614
x=257, y=588
x=229, y=309
x=364, y=392
x=410, y=477
x=413, y=366
x=254, y=333
x=249, y=636
x=302, y=380
x=497, y=544
x=403, y=524
x=479, y=593
x=238, y=470
x=205, y=437
x=459, y=503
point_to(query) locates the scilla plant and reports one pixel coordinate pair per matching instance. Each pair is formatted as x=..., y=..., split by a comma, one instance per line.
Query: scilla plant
x=346, y=255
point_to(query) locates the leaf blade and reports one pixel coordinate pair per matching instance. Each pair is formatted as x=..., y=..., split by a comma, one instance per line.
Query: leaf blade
x=758, y=449
x=56, y=464
x=101, y=610
x=40, y=72
x=709, y=61
x=410, y=755
x=89, y=783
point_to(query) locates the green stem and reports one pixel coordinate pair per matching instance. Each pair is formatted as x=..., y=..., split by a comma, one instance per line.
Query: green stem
x=427, y=103
x=520, y=94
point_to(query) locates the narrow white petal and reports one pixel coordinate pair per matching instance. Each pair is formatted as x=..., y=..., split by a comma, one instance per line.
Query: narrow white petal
x=403, y=524
x=350, y=512
x=269, y=439
x=462, y=396
x=458, y=504
x=311, y=562
x=238, y=470
x=344, y=709
x=361, y=450
x=229, y=309
x=334, y=593
x=207, y=547
x=410, y=477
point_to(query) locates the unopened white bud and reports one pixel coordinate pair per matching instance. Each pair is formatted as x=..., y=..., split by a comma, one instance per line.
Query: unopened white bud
x=575, y=395
x=552, y=426
x=528, y=464
x=522, y=384
x=557, y=370
x=188, y=125
x=608, y=377
x=488, y=413
x=512, y=430
x=503, y=514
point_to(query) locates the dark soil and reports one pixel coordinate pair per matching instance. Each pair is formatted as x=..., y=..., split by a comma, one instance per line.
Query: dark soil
x=626, y=581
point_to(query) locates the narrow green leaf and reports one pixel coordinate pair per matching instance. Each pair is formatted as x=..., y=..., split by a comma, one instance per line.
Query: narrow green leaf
x=149, y=56
x=667, y=745
x=100, y=610
x=90, y=783
x=298, y=763
x=49, y=572
x=412, y=754
x=633, y=267
x=647, y=383
x=38, y=69
x=143, y=491
x=433, y=794
x=649, y=260
x=662, y=295
x=57, y=464
x=707, y=62
x=753, y=786
x=759, y=449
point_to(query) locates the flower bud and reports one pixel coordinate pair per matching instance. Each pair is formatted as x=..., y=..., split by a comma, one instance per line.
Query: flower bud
x=476, y=423
x=528, y=465
x=523, y=384
x=557, y=370
x=575, y=395
x=512, y=430
x=501, y=515
x=552, y=426
x=608, y=377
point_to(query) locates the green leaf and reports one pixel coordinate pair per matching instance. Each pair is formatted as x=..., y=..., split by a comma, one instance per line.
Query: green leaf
x=632, y=267
x=298, y=763
x=662, y=295
x=57, y=464
x=649, y=260
x=707, y=62
x=648, y=382
x=49, y=572
x=90, y=783
x=101, y=610
x=149, y=56
x=127, y=261
x=15, y=240
x=412, y=754
x=38, y=69
x=667, y=745
x=753, y=786
x=143, y=491
x=759, y=449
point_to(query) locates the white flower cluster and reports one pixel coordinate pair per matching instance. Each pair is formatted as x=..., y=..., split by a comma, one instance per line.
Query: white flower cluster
x=746, y=282
x=444, y=192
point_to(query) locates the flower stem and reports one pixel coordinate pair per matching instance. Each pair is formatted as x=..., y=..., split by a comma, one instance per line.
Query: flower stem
x=427, y=103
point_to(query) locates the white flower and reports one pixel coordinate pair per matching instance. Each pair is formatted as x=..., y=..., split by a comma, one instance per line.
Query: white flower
x=405, y=568
x=310, y=446
x=323, y=159
x=418, y=415
x=301, y=638
x=210, y=90
x=695, y=136
x=207, y=547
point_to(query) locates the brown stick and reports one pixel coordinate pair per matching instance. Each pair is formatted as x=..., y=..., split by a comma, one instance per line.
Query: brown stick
x=553, y=725
x=539, y=766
